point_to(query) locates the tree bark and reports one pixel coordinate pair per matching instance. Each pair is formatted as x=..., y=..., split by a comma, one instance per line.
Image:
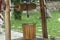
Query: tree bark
x=7, y=20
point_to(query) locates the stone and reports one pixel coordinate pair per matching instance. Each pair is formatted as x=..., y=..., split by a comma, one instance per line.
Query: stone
x=14, y=35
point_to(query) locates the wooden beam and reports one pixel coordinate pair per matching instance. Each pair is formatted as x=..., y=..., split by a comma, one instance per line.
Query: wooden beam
x=7, y=20
x=30, y=6
x=43, y=17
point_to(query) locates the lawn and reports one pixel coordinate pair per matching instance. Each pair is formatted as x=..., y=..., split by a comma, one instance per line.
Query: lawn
x=53, y=25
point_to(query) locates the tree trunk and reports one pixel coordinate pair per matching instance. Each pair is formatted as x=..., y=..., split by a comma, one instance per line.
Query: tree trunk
x=7, y=20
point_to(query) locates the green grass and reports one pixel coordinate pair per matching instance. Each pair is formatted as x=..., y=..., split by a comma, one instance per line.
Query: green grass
x=53, y=25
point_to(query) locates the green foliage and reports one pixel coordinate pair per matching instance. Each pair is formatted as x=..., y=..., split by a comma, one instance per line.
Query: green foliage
x=17, y=14
x=20, y=1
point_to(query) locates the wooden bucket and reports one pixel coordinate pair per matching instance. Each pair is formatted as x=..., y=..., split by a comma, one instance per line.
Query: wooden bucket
x=29, y=31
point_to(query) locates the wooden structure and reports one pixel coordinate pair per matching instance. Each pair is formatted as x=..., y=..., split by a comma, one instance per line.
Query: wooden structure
x=29, y=6
x=26, y=7
x=7, y=20
x=29, y=31
x=43, y=16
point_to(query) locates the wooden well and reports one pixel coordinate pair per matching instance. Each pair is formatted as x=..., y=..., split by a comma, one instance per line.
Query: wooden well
x=29, y=31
